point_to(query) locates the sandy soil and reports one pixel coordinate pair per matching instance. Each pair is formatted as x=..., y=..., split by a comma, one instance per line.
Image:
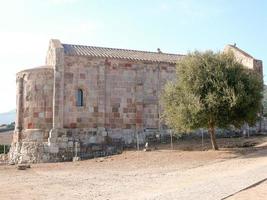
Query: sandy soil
x=131, y=175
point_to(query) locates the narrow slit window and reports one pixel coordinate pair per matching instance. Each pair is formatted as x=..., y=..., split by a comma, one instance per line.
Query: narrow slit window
x=79, y=97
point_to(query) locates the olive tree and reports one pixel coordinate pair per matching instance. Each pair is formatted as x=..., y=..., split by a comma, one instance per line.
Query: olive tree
x=211, y=90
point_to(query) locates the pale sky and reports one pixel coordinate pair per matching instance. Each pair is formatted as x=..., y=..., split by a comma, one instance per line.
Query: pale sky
x=26, y=26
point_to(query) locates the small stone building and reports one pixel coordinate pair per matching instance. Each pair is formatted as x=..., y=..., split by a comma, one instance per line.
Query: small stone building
x=86, y=95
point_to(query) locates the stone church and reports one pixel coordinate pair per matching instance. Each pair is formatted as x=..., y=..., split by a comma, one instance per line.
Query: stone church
x=86, y=95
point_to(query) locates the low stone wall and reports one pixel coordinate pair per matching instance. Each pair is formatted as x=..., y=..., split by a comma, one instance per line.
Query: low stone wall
x=37, y=145
x=92, y=142
x=62, y=145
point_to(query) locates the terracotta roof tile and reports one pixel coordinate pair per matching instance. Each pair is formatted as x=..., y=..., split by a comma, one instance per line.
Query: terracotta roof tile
x=127, y=54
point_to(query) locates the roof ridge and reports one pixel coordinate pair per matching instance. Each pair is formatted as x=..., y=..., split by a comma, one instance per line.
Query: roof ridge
x=242, y=51
x=133, y=50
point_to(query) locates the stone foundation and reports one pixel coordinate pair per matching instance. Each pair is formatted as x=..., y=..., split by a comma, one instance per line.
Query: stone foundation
x=63, y=144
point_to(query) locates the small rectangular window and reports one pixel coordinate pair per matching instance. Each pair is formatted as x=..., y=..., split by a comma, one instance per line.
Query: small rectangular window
x=79, y=97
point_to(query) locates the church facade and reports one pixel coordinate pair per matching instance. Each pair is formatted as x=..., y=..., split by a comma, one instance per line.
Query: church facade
x=85, y=94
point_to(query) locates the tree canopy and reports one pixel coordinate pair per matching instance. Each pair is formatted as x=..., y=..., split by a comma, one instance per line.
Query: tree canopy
x=211, y=90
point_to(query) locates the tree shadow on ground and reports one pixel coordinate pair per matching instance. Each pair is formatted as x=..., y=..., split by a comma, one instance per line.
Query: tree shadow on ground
x=253, y=152
x=242, y=147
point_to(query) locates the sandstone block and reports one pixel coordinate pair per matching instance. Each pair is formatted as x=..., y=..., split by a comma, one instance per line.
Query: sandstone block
x=70, y=144
x=54, y=149
x=63, y=145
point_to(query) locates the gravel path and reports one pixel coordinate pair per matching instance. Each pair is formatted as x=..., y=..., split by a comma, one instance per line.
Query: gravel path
x=218, y=180
x=144, y=175
x=258, y=192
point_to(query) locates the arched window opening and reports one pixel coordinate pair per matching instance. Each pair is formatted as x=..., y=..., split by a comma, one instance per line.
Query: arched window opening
x=79, y=97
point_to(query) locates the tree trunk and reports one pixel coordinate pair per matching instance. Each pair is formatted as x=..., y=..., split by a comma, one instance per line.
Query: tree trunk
x=212, y=137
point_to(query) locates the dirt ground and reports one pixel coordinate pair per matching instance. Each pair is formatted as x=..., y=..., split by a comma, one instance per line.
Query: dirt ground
x=130, y=175
x=258, y=192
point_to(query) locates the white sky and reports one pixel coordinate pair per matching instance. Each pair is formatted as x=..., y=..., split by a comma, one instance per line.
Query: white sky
x=24, y=41
x=175, y=26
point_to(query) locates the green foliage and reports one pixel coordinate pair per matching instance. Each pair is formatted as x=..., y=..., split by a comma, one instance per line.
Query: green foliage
x=211, y=90
x=6, y=148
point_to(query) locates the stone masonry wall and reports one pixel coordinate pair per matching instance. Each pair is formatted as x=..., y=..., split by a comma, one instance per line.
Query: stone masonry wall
x=34, y=114
x=246, y=60
x=119, y=95
x=55, y=59
x=37, y=98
